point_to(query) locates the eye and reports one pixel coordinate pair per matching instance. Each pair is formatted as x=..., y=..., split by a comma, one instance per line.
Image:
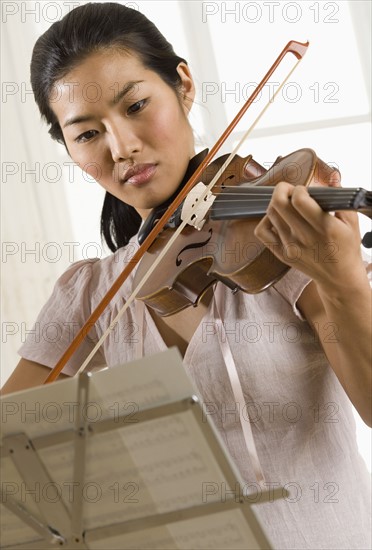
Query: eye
x=136, y=107
x=86, y=136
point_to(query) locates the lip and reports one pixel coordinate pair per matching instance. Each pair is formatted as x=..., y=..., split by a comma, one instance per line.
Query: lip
x=139, y=174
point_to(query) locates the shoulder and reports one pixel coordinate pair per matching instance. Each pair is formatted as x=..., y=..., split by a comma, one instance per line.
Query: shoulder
x=105, y=271
x=291, y=287
x=96, y=274
x=83, y=269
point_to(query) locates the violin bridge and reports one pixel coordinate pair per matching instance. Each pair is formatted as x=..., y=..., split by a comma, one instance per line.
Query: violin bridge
x=196, y=206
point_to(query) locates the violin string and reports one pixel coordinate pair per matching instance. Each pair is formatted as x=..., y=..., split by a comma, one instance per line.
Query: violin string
x=266, y=190
x=236, y=198
x=220, y=205
x=178, y=231
x=253, y=202
x=325, y=198
x=268, y=194
x=329, y=199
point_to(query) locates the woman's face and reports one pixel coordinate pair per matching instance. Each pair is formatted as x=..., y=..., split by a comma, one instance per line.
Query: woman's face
x=126, y=127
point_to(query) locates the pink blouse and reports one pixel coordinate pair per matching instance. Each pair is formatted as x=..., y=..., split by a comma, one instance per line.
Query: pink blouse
x=301, y=418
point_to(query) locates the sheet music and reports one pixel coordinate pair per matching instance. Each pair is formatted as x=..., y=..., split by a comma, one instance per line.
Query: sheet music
x=14, y=530
x=151, y=381
x=127, y=475
x=148, y=382
x=225, y=531
x=134, y=470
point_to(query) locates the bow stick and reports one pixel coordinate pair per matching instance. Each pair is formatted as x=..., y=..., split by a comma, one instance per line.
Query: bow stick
x=298, y=49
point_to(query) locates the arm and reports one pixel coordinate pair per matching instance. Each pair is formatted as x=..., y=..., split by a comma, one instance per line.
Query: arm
x=27, y=374
x=346, y=341
x=327, y=248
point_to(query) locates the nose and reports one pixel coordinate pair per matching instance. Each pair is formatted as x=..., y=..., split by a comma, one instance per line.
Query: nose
x=123, y=142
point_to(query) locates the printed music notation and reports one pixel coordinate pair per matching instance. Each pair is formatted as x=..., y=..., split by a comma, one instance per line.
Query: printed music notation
x=133, y=469
x=225, y=530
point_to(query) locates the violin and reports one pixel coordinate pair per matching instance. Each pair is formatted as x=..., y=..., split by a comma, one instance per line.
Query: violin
x=225, y=248
x=217, y=228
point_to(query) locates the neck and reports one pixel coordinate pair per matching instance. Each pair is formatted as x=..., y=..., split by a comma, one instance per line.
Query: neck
x=243, y=202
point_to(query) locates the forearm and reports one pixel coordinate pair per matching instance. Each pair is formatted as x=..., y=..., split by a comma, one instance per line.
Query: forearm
x=27, y=374
x=342, y=318
x=340, y=292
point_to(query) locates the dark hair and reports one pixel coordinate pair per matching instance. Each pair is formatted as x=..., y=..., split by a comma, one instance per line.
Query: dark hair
x=84, y=30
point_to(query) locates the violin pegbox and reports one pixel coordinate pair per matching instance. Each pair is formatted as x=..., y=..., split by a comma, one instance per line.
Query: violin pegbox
x=196, y=205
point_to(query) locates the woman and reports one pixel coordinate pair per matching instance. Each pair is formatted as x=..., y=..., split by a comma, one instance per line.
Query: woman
x=297, y=376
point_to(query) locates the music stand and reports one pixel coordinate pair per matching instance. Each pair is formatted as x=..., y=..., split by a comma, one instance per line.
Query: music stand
x=122, y=458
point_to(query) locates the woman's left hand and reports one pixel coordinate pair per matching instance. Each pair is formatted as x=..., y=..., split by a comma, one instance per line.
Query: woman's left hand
x=327, y=248
x=322, y=245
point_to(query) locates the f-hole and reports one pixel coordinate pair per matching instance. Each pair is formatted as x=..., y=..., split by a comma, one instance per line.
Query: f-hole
x=223, y=186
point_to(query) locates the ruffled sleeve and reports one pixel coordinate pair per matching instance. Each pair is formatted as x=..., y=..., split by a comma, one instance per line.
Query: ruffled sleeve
x=60, y=320
x=294, y=282
x=291, y=286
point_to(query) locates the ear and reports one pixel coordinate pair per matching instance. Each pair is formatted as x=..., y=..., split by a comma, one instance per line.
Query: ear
x=188, y=87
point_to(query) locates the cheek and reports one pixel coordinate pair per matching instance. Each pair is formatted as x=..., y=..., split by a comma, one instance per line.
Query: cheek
x=160, y=130
x=94, y=169
x=168, y=127
x=90, y=160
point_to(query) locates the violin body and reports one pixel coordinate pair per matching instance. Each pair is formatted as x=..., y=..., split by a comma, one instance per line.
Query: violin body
x=224, y=250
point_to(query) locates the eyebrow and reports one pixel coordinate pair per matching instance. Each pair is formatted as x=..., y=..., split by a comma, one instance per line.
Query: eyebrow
x=128, y=87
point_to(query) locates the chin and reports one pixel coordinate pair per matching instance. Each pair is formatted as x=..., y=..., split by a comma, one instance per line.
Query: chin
x=153, y=202
x=146, y=209
x=150, y=205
